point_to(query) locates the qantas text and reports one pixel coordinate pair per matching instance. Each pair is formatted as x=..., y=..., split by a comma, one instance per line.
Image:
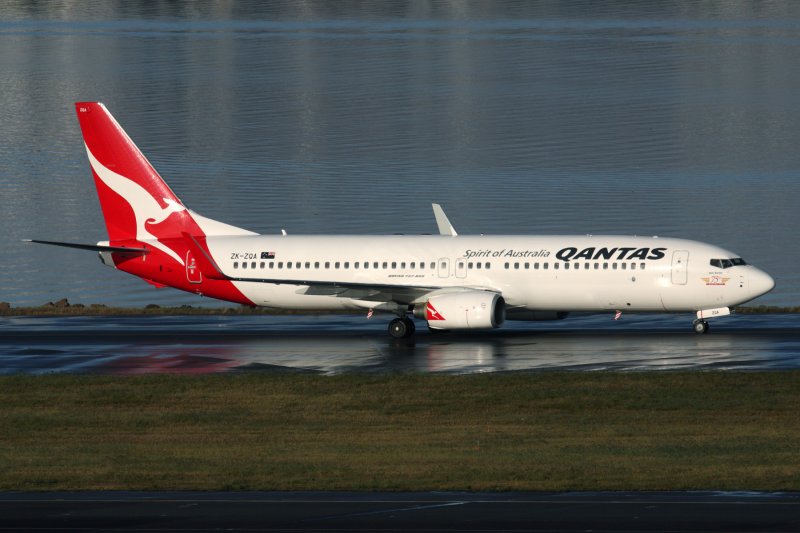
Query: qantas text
x=617, y=254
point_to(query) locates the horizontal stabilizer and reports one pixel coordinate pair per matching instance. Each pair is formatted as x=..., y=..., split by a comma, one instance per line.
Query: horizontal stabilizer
x=94, y=247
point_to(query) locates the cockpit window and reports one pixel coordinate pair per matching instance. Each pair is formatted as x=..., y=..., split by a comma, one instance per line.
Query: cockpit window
x=727, y=263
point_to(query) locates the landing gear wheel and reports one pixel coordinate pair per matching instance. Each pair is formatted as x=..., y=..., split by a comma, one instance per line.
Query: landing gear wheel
x=700, y=326
x=400, y=328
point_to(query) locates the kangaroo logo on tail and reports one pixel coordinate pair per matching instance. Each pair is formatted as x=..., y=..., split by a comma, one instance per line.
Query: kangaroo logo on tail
x=124, y=176
x=146, y=209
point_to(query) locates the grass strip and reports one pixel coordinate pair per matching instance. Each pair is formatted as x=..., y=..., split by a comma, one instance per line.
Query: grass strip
x=543, y=431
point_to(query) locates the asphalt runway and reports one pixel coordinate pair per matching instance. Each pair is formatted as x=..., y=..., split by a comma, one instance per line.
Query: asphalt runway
x=336, y=344
x=452, y=512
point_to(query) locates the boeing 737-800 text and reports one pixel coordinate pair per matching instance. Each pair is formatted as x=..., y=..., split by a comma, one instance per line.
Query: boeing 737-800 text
x=453, y=282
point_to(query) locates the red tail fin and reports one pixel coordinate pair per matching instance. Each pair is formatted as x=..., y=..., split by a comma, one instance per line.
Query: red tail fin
x=136, y=202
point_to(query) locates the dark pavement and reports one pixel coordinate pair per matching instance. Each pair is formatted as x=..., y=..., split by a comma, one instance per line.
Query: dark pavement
x=452, y=512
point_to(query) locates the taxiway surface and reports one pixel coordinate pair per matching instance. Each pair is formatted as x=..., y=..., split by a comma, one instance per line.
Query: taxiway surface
x=336, y=344
x=454, y=512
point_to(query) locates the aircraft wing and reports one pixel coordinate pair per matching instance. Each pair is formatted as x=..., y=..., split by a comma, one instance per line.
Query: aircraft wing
x=370, y=292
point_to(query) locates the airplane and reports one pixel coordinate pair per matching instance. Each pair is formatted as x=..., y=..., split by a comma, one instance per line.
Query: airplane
x=453, y=282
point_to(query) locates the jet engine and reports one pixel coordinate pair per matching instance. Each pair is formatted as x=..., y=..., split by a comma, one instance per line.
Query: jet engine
x=463, y=310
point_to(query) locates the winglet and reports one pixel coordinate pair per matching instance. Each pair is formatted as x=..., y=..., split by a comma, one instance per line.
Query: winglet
x=445, y=228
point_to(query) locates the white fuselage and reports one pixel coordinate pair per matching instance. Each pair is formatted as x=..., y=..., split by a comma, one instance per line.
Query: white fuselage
x=547, y=273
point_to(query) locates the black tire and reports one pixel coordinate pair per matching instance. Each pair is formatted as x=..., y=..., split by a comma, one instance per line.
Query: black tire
x=700, y=326
x=398, y=328
x=410, y=326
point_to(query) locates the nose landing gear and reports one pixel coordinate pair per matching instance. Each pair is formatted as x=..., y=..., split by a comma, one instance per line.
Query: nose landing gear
x=700, y=326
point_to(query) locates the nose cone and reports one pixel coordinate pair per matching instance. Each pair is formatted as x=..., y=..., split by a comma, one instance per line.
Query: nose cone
x=760, y=282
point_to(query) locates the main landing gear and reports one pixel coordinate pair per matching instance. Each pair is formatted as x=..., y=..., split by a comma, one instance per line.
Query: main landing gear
x=401, y=327
x=700, y=326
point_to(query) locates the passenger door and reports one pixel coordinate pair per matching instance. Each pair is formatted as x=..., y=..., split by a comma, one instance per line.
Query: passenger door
x=680, y=267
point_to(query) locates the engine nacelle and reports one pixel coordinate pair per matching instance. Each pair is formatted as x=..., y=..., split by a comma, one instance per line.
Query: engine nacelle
x=464, y=310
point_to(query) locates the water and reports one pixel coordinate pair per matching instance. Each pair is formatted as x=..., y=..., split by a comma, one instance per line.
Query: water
x=669, y=118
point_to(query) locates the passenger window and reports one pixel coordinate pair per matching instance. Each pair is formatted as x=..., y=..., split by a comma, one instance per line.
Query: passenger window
x=262, y=265
x=613, y=266
x=555, y=265
x=487, y=265
x=527, y=266
x=347, y=264
x=280, y=264
x=633, y=266
x=545, y=266
x=316, y=264
x=508, y=265
x=413, y=264
x=403, y=265
x=272, y=264
x=288, y=264
x=394, y=264
x=641, y=266
x=308, y=265
x=536, y=266
x=469, y=266
x=605, y=266
x=516, y=266
x=477, y=265
x=375, y=265
x=327, y=264
x=624, y=266
x=244, y=265
x=566, y=266
x=336, y=265
x=385, y=265
x=236, y=264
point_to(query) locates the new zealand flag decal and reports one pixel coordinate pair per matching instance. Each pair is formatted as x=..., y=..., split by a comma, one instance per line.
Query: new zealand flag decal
x=267, y=255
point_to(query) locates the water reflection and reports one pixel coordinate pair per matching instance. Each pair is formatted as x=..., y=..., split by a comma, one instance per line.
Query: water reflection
x=334, y=345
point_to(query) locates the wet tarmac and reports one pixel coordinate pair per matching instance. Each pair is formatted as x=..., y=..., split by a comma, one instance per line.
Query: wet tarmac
x=337, y=344
x=315, y=511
